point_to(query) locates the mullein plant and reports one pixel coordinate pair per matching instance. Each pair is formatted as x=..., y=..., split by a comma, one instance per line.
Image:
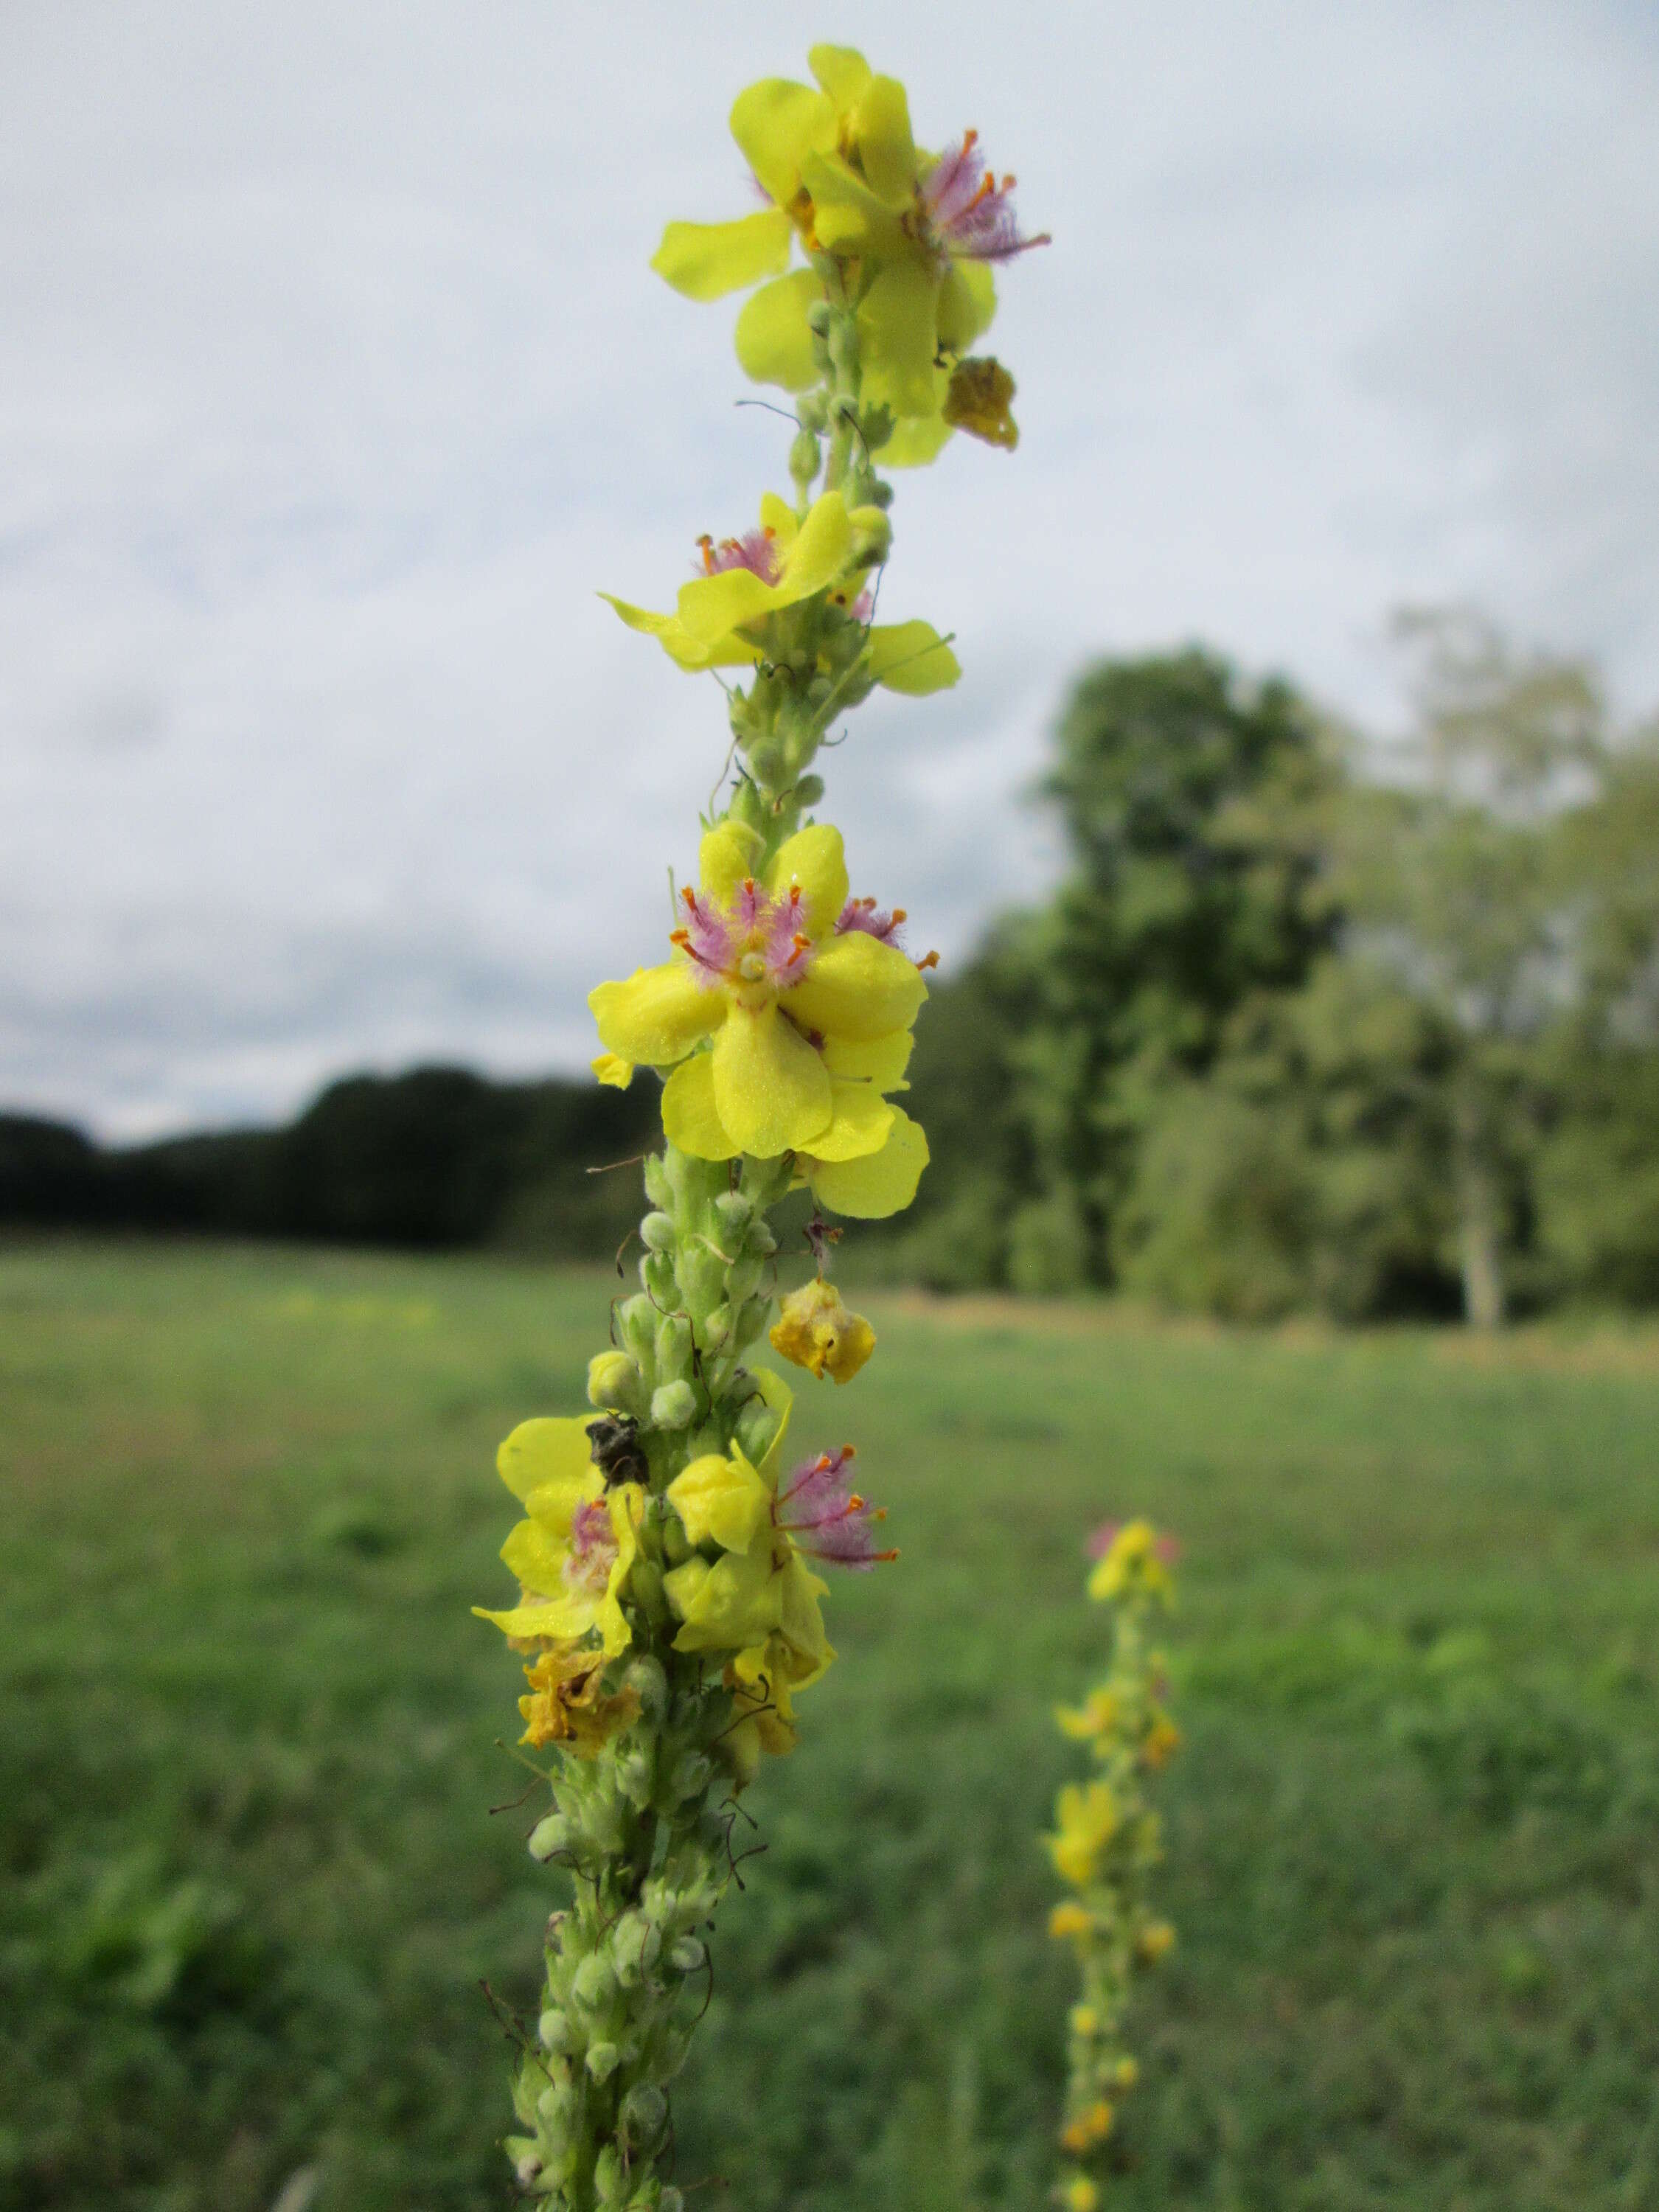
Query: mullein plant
x=670, y=1608
x=1106, y=1844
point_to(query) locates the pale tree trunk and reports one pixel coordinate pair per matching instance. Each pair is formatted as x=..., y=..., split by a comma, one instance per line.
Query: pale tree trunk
x=1484, y=1303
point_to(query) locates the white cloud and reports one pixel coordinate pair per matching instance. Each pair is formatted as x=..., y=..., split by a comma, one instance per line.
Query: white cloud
x=332, y=383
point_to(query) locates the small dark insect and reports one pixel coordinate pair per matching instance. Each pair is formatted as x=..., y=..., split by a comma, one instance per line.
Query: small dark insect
x=613, y=1445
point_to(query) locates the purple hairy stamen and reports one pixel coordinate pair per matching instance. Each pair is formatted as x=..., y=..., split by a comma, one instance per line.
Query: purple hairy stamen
x=826, y=1516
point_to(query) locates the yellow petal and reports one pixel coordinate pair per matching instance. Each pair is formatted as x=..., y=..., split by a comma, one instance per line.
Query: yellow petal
x=780, y=1398
x=771, y=1089
x=773, y=341
x=776, y=122
x=691, y=653
x=725, y=857
x=820, y=552
x=657, y=1016
x=856, y=987
x=705, y=260
x=848, y=218
x=780, y=517
x=911, y=656
x=722, y=1498
x=881, y=125
x=814, y=862
x=841, y=70
x=542, y=1451
x=967, y=302
x=859, y=1120
x=737, y=1602
x=916, y=441
x=572, y=1614
x=800, y=1624
x=690, y=1118
x=555, y=1504
x=878, y=1184
x=536, y=1557
x=898, y=335
x=611, y=1068
x=881, y=1062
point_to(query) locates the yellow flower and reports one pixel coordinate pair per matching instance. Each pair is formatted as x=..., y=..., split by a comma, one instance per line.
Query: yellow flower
x=1070, y=1921
x=721, y=616
x=575, y=1551
x=1081, y=2195
x=1088, y=1821
x=1092, y=2126
x=816, y=1331
x=567, y=1703
x=757, y=1591
x=1133, y=1556
x=1097, y=1713
x=612, y=1069
x=1084, y=2019
x=1161, y=1742
x=1156, y=1938
x=809, y=1012
x=914, y=236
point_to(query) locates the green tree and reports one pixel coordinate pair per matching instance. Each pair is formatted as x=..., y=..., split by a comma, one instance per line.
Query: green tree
x=1460, y=877
x=1194, y=803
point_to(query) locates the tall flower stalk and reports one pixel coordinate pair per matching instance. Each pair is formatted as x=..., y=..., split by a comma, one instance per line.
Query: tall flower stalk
x=1106, y=1843
x=669, y=1612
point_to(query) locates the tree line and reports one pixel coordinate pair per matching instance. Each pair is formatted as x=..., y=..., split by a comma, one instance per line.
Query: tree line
x=1315, y=1024
x=1311, y=1024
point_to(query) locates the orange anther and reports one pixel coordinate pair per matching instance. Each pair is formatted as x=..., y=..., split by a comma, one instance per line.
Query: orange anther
x=690, y=896
x=899, y=915
x=931, y=960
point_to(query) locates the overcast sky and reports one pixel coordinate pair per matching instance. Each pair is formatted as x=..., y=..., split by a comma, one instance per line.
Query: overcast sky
x=333, y=383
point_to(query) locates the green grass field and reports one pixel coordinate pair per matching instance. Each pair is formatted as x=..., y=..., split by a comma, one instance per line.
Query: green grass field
x=252, y=1885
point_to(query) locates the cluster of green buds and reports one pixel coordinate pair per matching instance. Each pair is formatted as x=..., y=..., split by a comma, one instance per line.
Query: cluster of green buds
x=669, y=1611
x=1106, y=1844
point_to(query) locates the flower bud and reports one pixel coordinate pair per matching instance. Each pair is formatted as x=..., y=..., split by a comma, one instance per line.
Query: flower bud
x=657, y=1231
x=758, y=1425
x=734, y=1212
x=602, y=2059
x=657, y=1273
x=818, y=319
x=644, y=2110
x=553, y=2031
x=673, y=1346
x=873, y=536
x=804, y=456
x=548, y=1836
x=646, y=1679
x=614, y=1383
x=593, y=1985
x=673, y=1406
x=635, y=1776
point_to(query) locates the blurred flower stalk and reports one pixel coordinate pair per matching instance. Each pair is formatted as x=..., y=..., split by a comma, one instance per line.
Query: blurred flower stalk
x=670, y=1608
x=1106, y=1843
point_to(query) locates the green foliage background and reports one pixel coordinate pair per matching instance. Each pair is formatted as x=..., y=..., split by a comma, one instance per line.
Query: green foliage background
x=251, y=1887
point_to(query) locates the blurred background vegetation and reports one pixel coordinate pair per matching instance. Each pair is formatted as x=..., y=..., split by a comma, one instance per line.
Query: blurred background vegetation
x=250, y=1883
x=1310, y=1025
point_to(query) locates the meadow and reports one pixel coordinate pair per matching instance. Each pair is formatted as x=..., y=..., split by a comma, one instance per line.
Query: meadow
x=254, y=1889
